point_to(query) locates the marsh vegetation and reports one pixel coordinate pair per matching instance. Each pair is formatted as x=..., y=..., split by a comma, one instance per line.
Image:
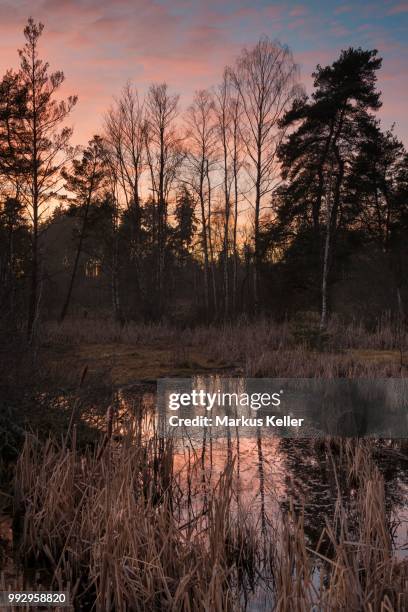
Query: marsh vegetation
x=131, y=521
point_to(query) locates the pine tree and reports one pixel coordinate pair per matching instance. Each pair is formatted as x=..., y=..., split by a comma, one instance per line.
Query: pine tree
x=44, y=143
x=316, y=157
x=86, y=180
x=185, y=223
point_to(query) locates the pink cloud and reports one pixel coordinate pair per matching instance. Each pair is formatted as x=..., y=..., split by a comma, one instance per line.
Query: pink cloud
x=273, y=11
x=244, y=11
x=402, y=7
x=339, y=30
x=102, y=43
x=296, y=23
x=298, y=11
x=345, y=8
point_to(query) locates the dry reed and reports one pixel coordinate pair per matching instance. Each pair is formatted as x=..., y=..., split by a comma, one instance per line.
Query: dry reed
x=111, y=525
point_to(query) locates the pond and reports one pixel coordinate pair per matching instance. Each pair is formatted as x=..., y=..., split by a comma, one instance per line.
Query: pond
x=270, y=472
x=274, y=479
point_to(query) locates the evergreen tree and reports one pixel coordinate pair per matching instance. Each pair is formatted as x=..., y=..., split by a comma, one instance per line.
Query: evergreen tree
x=185, y=219
x=86, y=180
x=316, y=157
x=44, y=143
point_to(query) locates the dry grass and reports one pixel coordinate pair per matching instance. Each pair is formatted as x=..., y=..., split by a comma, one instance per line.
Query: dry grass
x=304, y=331
x=127, y=530
x=117, y=525
x=360, y=573
x=105, y=522
x=255, y=349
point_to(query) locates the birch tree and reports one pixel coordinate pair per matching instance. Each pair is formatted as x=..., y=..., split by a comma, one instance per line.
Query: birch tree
x=228, y=110
x=265, y=78
x=223, y=110
x=164, y=155
x=125, y=132
x=237, y=160
x=201, y=158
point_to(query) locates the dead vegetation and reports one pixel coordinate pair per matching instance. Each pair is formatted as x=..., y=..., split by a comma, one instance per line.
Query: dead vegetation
x=252, y=348
x=127, y=526
x=118, y=524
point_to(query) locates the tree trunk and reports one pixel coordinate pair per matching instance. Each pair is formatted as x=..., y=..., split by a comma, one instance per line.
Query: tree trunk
x=206, y=262
x=117, y=311
x=331, y=224
x=67, y=301
x=226, y=221
x=138, y=241
x=234, y=234
x=323, y=318
x=32, y=304
x=256, y=244
x=161, y=228
x=211, y=250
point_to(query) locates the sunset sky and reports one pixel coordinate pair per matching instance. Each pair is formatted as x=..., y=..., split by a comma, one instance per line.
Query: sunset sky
x=100, y=44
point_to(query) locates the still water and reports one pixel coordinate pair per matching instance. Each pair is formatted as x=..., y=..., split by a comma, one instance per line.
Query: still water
x=271, y=473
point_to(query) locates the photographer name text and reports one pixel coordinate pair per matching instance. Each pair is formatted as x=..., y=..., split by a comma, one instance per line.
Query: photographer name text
x=225, y=421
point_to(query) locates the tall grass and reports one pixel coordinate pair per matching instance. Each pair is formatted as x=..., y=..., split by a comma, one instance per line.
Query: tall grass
x=259, y=348
x=106, y=524
x=116, y=524
x=234, y=336
x=129, y=528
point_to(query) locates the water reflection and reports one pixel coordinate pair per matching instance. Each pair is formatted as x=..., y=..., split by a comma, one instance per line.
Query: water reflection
x=269, y=472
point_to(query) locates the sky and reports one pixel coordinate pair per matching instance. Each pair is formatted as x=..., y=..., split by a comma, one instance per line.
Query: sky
x=100, y=44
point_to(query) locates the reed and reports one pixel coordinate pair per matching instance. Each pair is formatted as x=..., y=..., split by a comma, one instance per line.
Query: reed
x=237, y=336
x=105, y=523
x=119, y=528
x=261, y=348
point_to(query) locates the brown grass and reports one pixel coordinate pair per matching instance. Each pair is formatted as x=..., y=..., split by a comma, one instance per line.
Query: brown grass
x=107, y=526
x=126, y=529
x=384, y=335
x=115, y=524
x=256, y=349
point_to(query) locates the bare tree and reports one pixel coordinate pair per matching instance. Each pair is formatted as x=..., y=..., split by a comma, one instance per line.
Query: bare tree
x=202, y=139
x=229, y=112
x=210, y=239
x=224, y=127
x=265, y=79
x=125, y=129
x=164, y=155
x=236, y=153
x=44, y=143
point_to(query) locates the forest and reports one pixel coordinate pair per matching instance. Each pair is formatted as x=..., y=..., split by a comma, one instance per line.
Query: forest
x=256, y=198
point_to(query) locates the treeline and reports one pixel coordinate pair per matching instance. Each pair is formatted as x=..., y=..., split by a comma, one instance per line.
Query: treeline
x=255, y=198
